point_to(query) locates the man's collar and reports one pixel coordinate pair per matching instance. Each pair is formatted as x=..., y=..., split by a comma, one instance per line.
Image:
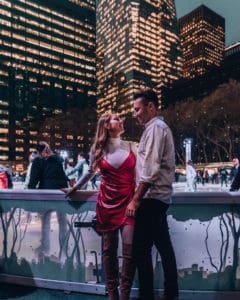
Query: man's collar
x=152, y=121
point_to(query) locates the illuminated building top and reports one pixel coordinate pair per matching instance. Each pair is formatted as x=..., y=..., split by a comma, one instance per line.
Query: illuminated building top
x=202, y=34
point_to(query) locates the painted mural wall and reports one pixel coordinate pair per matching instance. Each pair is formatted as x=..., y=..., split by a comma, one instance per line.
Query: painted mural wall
x=57, y=240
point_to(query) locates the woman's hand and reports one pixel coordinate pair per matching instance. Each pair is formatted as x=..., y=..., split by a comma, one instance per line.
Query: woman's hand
x=69, y=191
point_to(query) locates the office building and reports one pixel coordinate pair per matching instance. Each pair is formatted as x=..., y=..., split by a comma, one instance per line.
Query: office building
x=137, y=46
x=202, y=34
x=47, y=65
x=201, y=86
x=232, y=50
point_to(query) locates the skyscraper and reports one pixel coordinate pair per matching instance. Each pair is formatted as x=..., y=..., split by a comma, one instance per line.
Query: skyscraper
x=202, y=34
x=47, y=64
x=137, y=46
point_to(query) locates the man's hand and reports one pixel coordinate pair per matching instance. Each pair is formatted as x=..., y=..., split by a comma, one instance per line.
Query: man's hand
x=137, y=199
x=68, y=191
x=132, y=208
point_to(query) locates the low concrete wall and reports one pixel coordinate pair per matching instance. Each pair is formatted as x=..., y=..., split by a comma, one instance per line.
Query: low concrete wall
x=49, y=241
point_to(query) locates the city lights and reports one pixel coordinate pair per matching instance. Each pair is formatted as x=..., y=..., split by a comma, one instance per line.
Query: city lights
x=202, y=34
x=137, y=46
x=47, y=59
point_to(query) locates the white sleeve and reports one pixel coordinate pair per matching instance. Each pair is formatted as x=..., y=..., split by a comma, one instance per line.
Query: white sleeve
x=155, y=143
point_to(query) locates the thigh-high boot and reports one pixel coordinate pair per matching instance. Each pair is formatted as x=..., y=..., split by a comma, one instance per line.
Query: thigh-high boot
x=127, y=274
x=110, y=262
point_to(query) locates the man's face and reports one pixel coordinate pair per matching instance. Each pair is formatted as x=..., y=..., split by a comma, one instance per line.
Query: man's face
x=142, y=112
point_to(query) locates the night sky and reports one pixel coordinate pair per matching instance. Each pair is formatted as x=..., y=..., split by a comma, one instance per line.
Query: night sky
x=229, y=9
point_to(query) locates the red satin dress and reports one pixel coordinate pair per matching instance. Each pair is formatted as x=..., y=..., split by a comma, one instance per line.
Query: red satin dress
x=116, y=191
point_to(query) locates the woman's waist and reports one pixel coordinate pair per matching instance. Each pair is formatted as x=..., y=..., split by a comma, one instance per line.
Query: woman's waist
x=118, y=185
x=116, y=179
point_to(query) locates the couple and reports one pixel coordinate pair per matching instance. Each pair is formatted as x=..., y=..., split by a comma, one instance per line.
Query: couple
x=139, y=212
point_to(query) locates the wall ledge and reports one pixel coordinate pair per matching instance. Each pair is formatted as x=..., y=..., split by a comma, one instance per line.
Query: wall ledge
x=177, y=198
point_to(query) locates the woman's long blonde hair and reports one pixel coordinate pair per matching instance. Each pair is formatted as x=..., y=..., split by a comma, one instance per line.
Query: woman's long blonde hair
x=101, y=138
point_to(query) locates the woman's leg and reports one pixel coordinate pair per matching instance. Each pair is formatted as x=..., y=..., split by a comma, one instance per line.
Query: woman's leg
x=110, y=261
x=128, y=266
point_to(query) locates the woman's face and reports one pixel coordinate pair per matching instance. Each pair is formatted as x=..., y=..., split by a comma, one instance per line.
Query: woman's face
x=115, y=126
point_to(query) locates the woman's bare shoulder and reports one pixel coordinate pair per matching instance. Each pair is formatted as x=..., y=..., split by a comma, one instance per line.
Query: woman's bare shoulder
x=130, y=145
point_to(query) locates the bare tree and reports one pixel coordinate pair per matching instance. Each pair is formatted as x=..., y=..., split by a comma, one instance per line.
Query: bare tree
x=213, y=123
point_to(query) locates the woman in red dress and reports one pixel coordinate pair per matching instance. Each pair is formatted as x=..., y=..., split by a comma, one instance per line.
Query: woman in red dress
x=116, y=160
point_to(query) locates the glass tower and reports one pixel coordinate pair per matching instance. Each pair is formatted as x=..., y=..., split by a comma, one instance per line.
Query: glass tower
x=47, y=64
x=202, y=34
x=137, y=46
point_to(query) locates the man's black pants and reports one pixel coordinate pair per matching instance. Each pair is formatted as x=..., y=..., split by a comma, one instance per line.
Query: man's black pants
x=151, y=228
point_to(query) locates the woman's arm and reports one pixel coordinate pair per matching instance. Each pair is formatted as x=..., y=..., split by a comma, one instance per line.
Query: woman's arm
x=83, y=180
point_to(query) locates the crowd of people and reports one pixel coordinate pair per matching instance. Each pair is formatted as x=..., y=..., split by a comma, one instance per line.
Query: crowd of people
x=134, y=194
x=73, y=173
x=222, y=175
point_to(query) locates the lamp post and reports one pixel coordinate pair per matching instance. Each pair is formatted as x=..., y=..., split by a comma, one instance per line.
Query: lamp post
x=64, y=154
x=187, y=143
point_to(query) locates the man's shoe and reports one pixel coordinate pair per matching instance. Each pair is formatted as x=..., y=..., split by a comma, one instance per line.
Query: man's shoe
x=164, y=297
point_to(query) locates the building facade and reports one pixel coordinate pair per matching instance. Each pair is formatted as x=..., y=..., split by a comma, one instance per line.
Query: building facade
x=202, y=34
x=232, y=50
x=137, y=46
x=47, y=65
x=201, y=86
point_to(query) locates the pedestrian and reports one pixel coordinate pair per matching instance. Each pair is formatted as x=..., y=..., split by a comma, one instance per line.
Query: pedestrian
x=204, y=176
x=115, y=159
x=3, y=177
x=31, y=158
x=234, y=168
x=47, y=173
x=80, y=169
x=191, y=176
x=47, y=169
x=9, y=174
x=199, y=176
x=68, y=171
x=155, y=169
x=236, y=181
x=223, y=174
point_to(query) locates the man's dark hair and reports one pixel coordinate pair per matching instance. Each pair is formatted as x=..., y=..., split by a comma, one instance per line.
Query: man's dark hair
x=147, y=95
x=83, y=154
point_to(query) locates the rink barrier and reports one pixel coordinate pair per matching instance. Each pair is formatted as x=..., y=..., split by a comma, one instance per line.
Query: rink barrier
x=49, y=241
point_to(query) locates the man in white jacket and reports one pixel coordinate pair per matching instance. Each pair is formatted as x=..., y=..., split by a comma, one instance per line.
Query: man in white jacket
x=191, y=177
